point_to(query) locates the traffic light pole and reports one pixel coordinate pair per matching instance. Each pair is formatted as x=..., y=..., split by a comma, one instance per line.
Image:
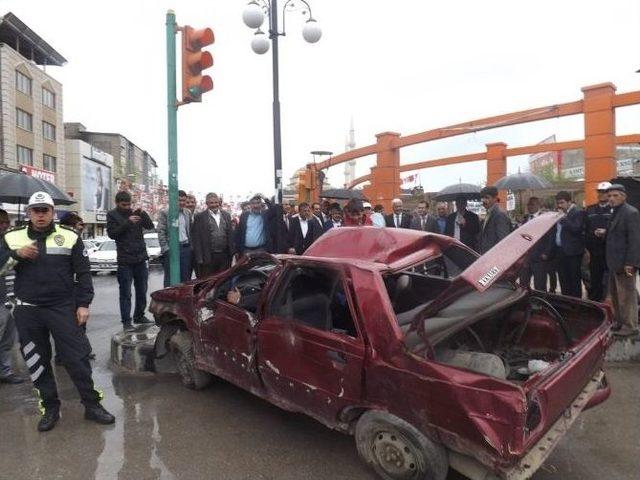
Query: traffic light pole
x=172, y=126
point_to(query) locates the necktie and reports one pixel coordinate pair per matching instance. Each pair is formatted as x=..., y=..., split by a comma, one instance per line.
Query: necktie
x=397, y=221
x=422, y=220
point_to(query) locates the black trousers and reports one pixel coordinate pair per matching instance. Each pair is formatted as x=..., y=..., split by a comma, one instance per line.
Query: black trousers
x=570, y=273
x=539, y=272
x=597, y=270
x=138, y=274
x=219, y=261
x=35, y=325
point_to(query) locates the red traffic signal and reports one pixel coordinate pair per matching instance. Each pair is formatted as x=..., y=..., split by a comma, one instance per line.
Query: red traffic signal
x=194, y=61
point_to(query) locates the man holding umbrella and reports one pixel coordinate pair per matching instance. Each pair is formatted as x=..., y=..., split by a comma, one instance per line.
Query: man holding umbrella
x=47, y=258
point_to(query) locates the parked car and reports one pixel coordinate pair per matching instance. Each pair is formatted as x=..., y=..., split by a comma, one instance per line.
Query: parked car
x=104, y=259
x=89, y=245
x=432, y=356
x=153, y=247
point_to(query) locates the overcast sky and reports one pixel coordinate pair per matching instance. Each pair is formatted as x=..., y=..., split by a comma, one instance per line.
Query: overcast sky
x=404, y=66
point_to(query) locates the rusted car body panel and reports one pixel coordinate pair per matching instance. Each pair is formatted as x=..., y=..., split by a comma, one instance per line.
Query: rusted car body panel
x=334, y=377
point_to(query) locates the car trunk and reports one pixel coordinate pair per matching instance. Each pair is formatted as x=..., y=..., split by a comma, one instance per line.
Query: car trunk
x=550, y=346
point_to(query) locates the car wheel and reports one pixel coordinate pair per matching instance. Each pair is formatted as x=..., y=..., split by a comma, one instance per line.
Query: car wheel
x=398, y=451
x=182, y=347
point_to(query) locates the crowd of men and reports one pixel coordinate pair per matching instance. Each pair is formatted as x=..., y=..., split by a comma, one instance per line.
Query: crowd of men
x=598, y=246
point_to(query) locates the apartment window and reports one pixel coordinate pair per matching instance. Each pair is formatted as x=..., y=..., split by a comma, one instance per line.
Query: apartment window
x=48, y=98
x=23, y=83
x=49, y=131
x=49, y=162
x=25, y=155
x=24, y=120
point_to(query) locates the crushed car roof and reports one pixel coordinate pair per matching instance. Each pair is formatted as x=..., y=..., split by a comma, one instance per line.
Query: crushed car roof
x=388, y=246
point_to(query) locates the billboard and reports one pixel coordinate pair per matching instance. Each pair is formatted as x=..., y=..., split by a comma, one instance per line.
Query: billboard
x=96, y=186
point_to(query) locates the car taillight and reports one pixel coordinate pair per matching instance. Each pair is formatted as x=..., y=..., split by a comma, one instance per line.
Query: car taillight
x=534, y=416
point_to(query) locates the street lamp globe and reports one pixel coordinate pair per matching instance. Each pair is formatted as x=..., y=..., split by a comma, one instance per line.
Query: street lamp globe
x=260, y=43
x=253, y=16
x=311, y=31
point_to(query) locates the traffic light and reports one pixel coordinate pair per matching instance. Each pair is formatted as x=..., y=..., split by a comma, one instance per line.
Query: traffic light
x=194, y=61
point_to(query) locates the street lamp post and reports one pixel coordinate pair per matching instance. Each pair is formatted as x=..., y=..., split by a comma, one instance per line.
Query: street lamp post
x=253, y=16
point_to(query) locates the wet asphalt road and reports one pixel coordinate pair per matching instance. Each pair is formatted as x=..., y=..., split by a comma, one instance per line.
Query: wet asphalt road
x=164, y=431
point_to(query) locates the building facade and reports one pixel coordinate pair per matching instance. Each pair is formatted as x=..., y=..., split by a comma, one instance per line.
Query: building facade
x=31, y=125
x=89, y=182
x=133, y=168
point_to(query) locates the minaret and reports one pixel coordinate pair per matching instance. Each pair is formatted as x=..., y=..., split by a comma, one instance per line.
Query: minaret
x=350, y=167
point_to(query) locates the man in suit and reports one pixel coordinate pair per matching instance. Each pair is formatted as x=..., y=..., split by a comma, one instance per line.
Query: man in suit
x=496, y=224
x=422, y=220
x=397, y=219
x=212, y=238
x=539, y=257
x=623, y=260
x=335, y=219
x=441, y=219
x=569, y=241
x=184, y=239
x=463, y=225
x=597, y=218
x=304, y=230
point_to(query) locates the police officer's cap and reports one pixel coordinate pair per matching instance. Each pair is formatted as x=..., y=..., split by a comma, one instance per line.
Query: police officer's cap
x=40, y=199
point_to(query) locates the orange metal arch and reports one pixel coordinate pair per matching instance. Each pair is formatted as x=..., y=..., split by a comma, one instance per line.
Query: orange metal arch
x=598, y=107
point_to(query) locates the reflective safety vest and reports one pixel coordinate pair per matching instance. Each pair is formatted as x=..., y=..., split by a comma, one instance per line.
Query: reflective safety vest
x=60, y=274
x=59, y=242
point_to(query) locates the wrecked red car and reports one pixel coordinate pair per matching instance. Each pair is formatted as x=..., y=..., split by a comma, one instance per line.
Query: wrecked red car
x=433, y=357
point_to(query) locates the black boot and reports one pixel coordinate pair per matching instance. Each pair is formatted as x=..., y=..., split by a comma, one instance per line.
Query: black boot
x=98, y=414
x=48, y=420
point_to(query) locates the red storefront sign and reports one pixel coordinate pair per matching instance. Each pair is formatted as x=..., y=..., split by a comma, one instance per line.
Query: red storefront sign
x=38, y=173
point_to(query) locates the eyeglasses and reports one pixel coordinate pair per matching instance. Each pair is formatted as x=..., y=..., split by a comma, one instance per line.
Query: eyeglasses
x=40, y=209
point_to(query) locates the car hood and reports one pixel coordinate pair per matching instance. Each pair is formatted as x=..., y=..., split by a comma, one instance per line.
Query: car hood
x=502, y=262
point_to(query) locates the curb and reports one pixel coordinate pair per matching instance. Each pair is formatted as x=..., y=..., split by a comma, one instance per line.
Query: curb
x=624, y=350
x=134, y=351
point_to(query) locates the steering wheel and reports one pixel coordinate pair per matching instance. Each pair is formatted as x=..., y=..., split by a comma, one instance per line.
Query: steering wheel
x=551, y=310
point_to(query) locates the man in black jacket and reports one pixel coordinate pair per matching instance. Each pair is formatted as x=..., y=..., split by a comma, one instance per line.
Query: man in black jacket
x=569, y=243
x=538, y=259
x=53, y=291
x=496, y=224
x=212, y=238
x=126, y=227
x=304, y=230
x=463, y=225
x=623, y=260
x=597, y=218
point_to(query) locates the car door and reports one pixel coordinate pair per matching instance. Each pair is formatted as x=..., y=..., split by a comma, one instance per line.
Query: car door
x=310, y=352
x=227, y=331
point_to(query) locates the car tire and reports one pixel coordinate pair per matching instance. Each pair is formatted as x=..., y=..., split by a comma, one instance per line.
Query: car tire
x=182, y=347
x=397, y=450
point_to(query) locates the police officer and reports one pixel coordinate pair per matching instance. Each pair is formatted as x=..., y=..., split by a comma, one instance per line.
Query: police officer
x=47, y=257
x=596, y=224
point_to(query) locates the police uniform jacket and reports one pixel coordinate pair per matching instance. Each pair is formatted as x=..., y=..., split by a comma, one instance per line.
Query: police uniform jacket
x=596, y=216
x=61, y=273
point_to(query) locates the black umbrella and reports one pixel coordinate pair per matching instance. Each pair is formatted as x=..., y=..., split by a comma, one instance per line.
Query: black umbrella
x=18, y=187
x=522, y=181
x=466, y=191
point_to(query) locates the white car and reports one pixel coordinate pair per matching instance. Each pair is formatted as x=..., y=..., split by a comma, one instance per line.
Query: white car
x=153, y=247
x=105, y=258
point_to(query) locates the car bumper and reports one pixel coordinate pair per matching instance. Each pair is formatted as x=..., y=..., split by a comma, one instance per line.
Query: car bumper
x=104, y=267
x=596, y=391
